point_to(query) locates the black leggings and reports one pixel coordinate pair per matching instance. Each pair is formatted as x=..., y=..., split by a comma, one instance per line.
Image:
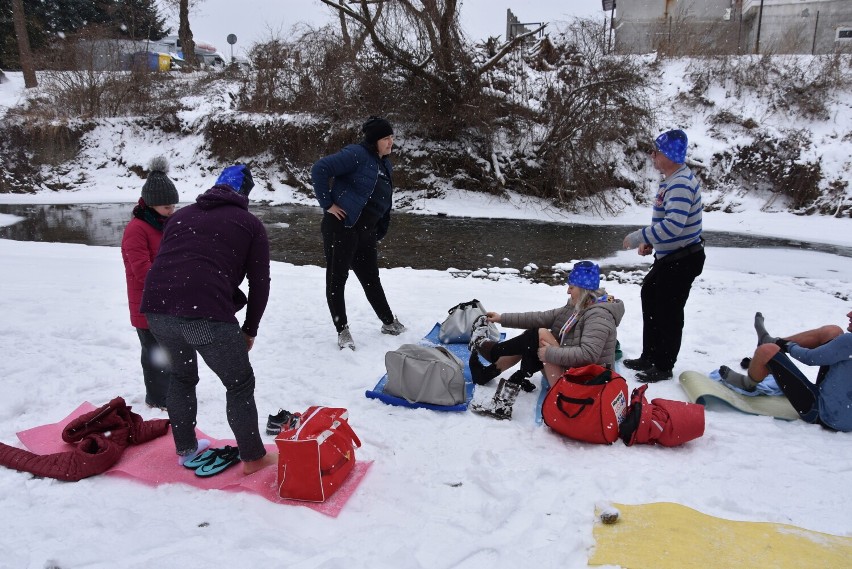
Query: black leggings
x=524, y=345
x=353, y=248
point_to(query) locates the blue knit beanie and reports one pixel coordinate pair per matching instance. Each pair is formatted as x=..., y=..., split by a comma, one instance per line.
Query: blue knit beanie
x=673, y=145
x=585, y=274
x=238, y=178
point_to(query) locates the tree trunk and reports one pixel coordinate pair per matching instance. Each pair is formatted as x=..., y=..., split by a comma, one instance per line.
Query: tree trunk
x=24, y=53
x=185, y=35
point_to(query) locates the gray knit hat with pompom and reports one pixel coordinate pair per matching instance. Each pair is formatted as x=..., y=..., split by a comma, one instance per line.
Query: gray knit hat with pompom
x=158, y=188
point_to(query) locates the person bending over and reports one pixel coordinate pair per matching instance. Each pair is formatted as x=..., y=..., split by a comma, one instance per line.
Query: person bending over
x=829, y=401
x=580, y=333
x=191, y=297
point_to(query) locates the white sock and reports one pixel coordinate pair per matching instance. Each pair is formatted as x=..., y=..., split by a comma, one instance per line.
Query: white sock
x=203, y=445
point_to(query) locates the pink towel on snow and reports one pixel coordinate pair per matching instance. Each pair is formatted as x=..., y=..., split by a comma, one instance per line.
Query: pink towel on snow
x=155, y=463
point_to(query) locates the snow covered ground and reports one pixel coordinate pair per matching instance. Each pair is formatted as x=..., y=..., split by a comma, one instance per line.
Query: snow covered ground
x=445, y=490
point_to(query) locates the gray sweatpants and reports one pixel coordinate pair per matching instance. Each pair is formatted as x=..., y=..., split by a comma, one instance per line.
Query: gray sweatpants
x=223, y=348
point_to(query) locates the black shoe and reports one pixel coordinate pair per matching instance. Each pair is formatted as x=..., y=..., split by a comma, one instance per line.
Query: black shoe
x=521, y=379
x=481, y=374
x=283, y=420
x=638, y=364
x=653, y=375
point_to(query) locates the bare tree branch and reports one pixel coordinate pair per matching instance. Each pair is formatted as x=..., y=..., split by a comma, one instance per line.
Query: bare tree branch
x=366, y=19
x=507, y=47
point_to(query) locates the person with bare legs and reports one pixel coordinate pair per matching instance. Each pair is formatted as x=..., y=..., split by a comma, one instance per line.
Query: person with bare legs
x=829, y=400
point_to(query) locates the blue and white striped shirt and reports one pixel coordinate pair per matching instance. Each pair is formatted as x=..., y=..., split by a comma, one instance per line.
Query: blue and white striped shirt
x=676, y=220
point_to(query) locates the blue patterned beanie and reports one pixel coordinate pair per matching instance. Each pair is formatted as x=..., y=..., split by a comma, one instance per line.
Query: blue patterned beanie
x=238, y=178
x=673, y=145
x=585, y=274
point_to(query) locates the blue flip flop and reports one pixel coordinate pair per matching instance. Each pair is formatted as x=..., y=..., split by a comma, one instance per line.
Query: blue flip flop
x=217, y=460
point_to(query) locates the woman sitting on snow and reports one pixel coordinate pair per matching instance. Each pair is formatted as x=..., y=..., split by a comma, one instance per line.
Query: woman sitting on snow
x=580, y=333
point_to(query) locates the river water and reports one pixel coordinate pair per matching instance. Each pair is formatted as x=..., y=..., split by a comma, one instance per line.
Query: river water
x=416, y=241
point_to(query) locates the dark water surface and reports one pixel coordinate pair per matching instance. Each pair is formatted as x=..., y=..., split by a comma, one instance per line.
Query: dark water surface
x=416, y=241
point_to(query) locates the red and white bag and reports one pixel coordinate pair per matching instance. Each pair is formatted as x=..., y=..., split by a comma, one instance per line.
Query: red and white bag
x=661, y=421
x=316, y=457
x=586, y=404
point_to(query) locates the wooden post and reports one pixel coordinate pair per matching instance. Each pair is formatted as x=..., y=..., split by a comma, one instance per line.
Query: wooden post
x=816, y=26
x=759, y=24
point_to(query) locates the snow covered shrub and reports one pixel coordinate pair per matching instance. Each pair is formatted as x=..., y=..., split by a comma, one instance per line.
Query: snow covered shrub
x=292, y=142
x=776, y=165
x=580, y=114
x=799, y=85
x=84, y=77
x=26, y=143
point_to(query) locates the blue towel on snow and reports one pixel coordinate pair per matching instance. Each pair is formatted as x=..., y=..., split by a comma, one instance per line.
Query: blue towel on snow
x=766, y=387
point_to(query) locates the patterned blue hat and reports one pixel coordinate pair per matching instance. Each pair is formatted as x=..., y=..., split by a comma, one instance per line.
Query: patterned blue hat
x=673, y=145
x=585, y=274
x=238, y=178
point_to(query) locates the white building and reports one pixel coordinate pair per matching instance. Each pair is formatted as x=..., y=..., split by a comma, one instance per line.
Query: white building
x=732, y=26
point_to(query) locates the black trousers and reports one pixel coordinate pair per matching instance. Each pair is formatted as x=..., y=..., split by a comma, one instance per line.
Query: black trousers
x=354, y=248
x=665, y=290
x=155, y=369
x=223, y=348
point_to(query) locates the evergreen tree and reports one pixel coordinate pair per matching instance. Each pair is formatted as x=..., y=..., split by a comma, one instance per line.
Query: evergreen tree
x=49, y=19
x=139, y=19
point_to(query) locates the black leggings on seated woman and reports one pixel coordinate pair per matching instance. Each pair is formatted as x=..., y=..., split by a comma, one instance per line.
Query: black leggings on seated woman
x=524, y=345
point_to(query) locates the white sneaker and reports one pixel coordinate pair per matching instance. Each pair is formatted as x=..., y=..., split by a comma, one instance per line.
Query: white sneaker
x=395, y=328
x=478, y=332
x=344, y=339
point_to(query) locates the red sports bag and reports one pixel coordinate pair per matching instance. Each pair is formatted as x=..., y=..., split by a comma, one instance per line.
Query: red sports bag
x=316, y=456
x=586, y=404
x=662, y=421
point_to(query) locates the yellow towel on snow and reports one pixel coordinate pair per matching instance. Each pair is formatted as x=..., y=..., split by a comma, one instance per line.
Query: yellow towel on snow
x=670, y=536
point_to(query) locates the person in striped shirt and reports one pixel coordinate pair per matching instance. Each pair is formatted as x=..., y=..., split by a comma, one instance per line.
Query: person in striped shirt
x=674, y=237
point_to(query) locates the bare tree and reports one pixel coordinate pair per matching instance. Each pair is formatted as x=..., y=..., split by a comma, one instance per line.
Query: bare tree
x=24, y=53
x=423, y=40
x=185, y=35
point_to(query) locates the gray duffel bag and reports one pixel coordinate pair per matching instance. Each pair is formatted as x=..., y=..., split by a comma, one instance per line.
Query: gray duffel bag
x=425, y=374
x=457, y=326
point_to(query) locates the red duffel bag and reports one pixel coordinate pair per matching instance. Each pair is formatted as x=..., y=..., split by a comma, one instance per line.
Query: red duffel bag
x=586, y=404
x=662, y=421
x=316, y=456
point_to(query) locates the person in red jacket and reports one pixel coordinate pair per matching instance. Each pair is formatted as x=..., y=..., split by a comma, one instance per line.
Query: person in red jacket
x=139, y=245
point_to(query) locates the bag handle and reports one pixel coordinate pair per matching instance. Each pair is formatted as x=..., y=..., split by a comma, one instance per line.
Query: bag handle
x=560, y=399
x=346, y=429
x=463, y=305
x=341, y=427
x=602, y=378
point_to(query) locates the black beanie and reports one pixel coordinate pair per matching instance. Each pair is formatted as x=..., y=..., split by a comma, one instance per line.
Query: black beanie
x=375, y=129
x=158, y=188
